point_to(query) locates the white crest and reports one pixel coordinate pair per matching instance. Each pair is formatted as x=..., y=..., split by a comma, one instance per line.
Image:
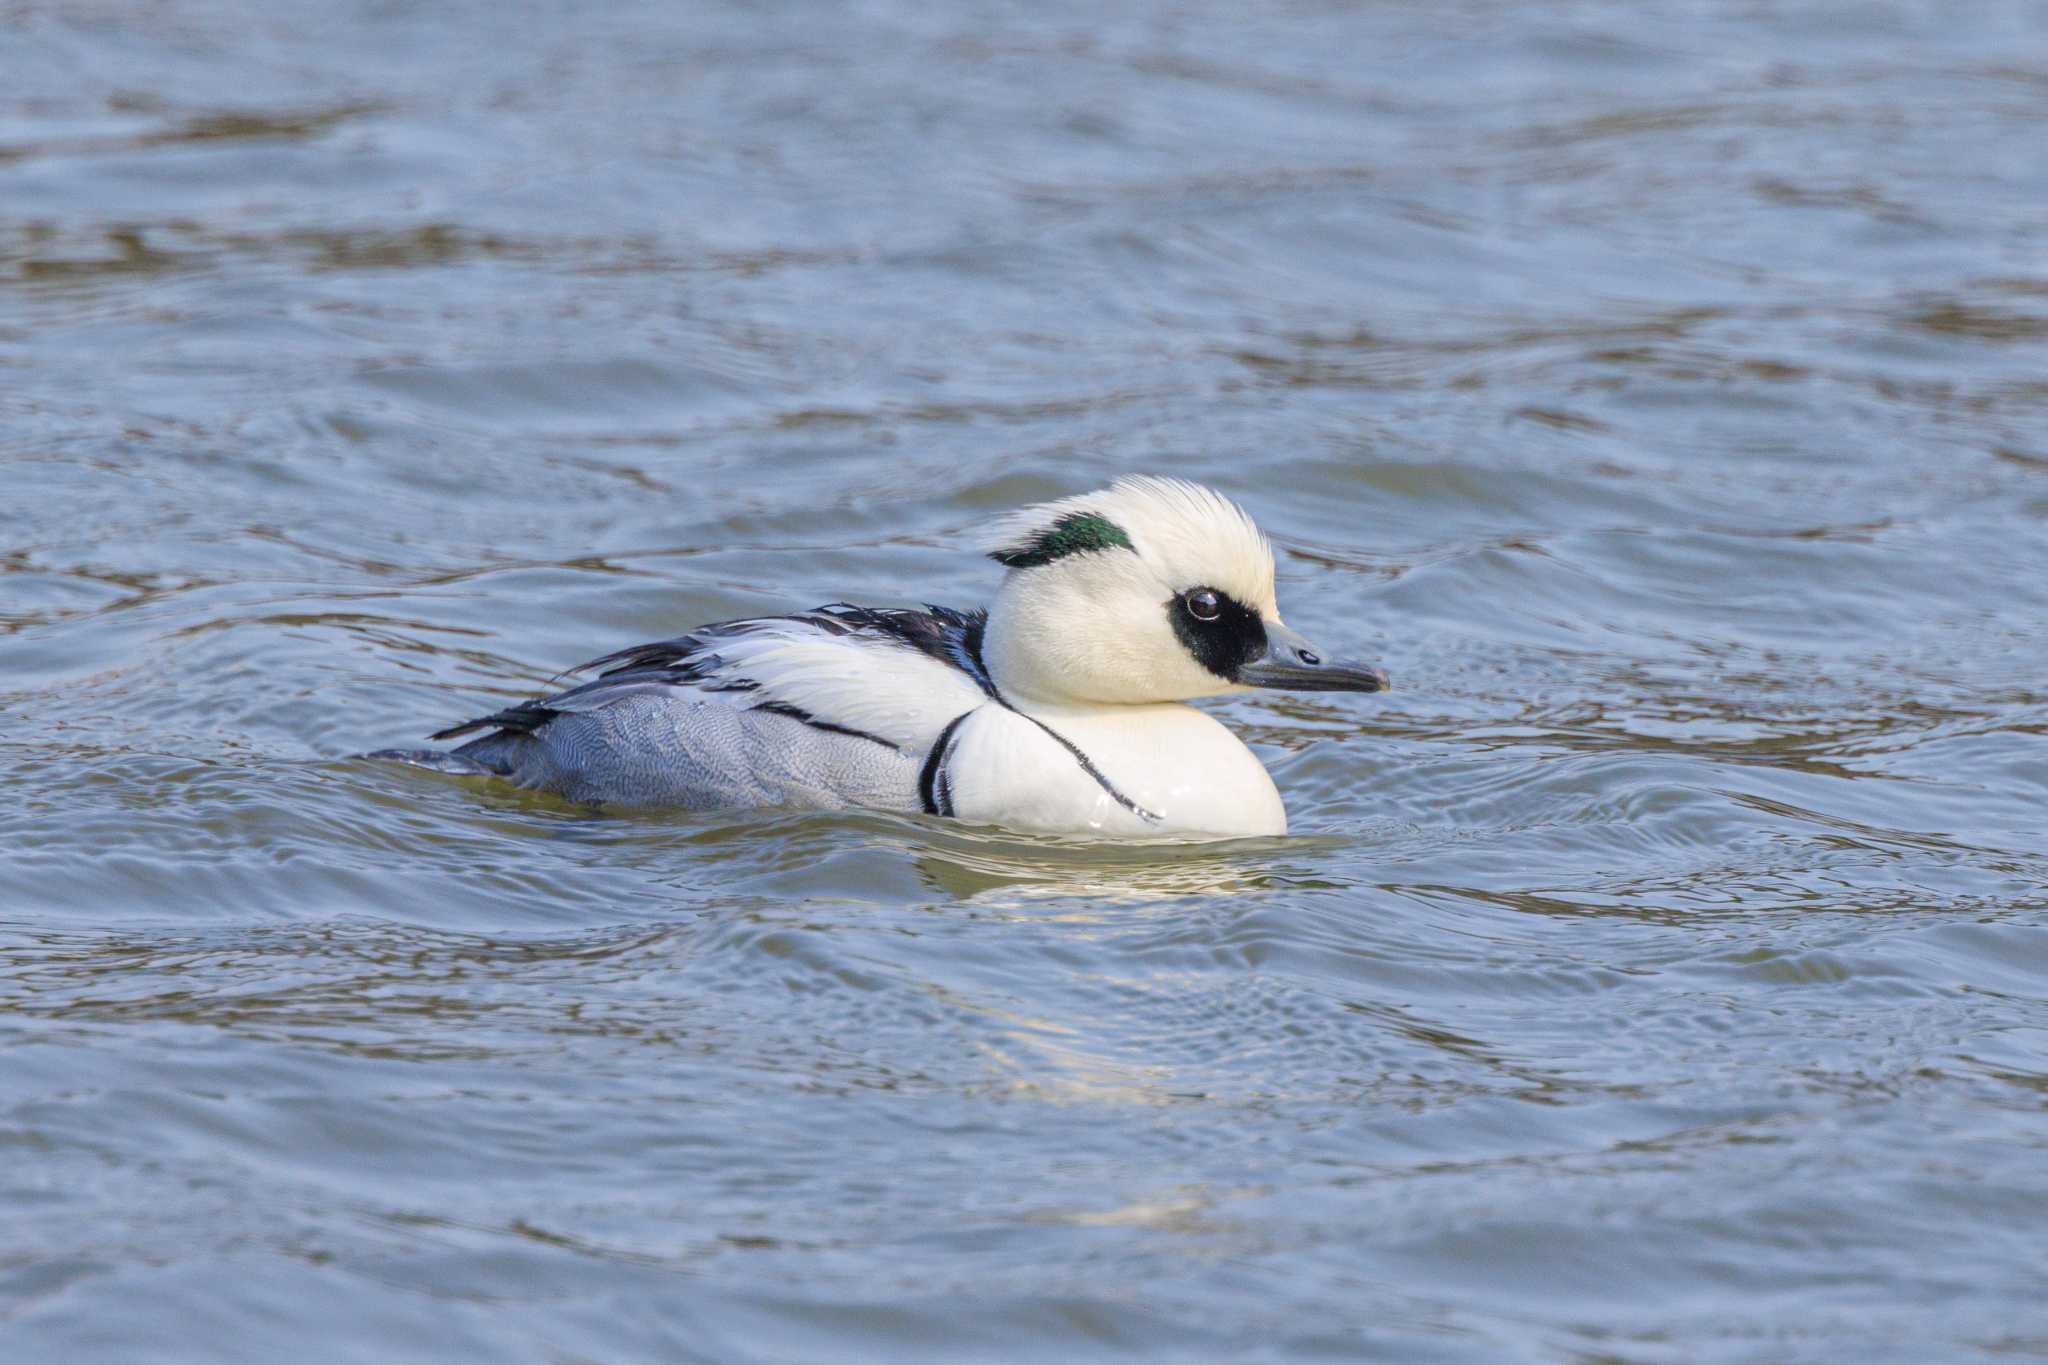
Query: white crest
x=1084, y=614
x=1183, y=529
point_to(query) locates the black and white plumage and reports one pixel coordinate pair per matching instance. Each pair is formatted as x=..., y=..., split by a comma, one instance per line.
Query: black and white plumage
x=1057, y=708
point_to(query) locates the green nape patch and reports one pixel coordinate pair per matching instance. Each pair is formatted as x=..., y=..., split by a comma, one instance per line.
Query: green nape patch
x=1073, y=534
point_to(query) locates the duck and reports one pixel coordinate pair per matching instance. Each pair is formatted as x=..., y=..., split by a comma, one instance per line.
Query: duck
x=1061, y=707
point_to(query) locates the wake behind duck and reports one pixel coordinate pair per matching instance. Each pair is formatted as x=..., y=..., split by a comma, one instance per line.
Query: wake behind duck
x=1058, y=708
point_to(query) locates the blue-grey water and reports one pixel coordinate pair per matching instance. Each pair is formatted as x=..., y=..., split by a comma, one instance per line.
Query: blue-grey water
x=1659, y=391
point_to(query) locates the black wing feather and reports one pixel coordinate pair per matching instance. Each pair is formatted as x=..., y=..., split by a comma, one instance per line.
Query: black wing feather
x=522, y=719
x=944, y=633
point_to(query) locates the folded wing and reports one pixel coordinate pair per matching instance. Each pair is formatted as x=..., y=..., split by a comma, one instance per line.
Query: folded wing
x=895, y=676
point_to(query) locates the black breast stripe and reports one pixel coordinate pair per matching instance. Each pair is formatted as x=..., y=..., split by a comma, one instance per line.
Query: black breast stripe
x=1093, y=771
x=934, y=790
x=975, y=635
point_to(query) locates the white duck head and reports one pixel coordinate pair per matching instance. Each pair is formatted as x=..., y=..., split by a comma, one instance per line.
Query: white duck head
x=1150, y=590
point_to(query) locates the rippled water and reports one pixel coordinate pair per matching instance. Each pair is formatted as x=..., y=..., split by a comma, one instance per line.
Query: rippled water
x=1659, y=974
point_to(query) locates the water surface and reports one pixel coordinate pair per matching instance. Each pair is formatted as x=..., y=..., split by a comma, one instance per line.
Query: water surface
x=1659, y=974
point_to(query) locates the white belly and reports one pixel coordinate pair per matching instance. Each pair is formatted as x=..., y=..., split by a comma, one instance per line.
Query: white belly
x=1166, y=769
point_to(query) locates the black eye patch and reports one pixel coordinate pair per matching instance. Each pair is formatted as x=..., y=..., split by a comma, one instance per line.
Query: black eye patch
x=1221, y=632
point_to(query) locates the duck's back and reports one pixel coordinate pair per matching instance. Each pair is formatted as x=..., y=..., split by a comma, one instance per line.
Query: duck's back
x=829, y=708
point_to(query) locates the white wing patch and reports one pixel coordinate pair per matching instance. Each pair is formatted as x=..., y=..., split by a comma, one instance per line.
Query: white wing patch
x=863, y=680
x=891, y=675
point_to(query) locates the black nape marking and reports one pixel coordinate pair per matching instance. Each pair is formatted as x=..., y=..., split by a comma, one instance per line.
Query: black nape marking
x=1225, y=643
x=1075, y=533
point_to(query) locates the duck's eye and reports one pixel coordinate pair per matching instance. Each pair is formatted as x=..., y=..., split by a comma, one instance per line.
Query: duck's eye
x=1204, y=605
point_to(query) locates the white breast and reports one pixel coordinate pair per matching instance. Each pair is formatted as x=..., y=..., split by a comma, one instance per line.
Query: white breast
x=1165, y=769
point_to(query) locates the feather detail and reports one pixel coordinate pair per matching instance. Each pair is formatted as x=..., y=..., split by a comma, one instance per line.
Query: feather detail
x=1179, y=527
x=891, y=675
